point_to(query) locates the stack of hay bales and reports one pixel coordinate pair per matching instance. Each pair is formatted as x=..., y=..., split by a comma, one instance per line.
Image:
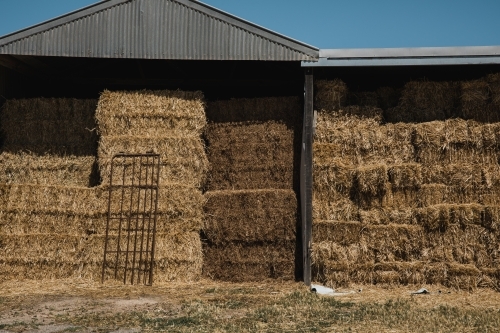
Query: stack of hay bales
x=169, y=123
x=413, y=201
x=251, y=209
x=46, y=208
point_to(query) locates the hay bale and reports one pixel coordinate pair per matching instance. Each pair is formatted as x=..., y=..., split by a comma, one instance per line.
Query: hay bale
x=474, y=101
x=183, y=159
x=423, y=101
x=250, y=262
x=341, y=210
x=494, y=85
x=333, y=180
x=47, y=169
x=150, y=113
x=435, y=194
x=285, y=109
x=330, y=95
x=365, y=141
x=29, y=248
x=250, y=155
x=461, y=175
x=371, y=180
x=363, y=98
x=59, y=126
x=250, y=216
x=398, y=241
x=435, y=217
x=405, y=176
x=388, y=97
x=387, y=216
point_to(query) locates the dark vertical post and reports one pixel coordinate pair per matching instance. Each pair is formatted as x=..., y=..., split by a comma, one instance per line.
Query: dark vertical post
x=306, y=175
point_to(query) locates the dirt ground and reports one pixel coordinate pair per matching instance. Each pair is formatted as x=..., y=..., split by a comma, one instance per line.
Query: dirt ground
x=78, y=305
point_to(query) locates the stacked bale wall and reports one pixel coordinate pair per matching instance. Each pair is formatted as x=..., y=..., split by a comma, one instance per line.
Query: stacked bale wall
x=48, y=159
x=408, y=194
x=251, y=209
x=169, y=123
x=53, y=217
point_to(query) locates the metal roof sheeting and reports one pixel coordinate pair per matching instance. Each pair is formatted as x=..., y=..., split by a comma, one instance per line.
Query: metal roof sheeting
x=154, y=29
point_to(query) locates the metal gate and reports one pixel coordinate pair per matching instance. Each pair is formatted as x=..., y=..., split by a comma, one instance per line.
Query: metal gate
x=129, y=246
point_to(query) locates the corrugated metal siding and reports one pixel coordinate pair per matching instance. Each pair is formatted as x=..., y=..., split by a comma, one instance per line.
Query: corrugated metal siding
x=158, y=29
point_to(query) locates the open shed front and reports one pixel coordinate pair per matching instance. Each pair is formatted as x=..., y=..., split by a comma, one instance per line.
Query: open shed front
x=227, y=205
x=405, y=170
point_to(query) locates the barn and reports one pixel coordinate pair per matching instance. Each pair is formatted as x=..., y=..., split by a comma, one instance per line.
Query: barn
x=273, y=159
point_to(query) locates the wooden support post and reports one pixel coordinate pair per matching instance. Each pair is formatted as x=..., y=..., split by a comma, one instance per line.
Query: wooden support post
x=306, y=175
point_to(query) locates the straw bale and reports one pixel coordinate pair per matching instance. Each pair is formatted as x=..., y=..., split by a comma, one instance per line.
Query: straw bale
x=183, y=159
x=465, y=244
x=176, y=246
x=435, y=194
x=21, y=110
x=340, y=210
x=405, y=176
x=251, y=177
x=363, y=98
x=333, y=179
x=474, y=101
x=46, y=169
x=287, y=109
x=225, y=135
x=19, y=223
x=250, y=155
x=388, y=97
x=341, y=232
x=37, y=270
x=250, y=216
x=56, y=199
x=435, y=217
x=400, y=198
x=387, y=216
x=60, y=126
x=463, y=175
x=150, y=113
x=428, y=100
x=176, y=202
x=249, y=262
x=329, y=252
x=30, y=248
x=365, y=142
x=371, y=180
x=494, y=85
x=382, y=242
x=491, y=218
x=330, y=95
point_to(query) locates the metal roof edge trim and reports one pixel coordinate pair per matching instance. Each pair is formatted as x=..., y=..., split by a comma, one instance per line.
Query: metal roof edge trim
x=411, y=52
x=403, y=61
x=195, y=5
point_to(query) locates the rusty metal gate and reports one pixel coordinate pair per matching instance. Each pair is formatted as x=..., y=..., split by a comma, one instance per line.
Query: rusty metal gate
x=129, y=246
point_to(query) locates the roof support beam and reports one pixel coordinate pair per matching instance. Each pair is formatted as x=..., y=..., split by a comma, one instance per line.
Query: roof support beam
x=306, y=178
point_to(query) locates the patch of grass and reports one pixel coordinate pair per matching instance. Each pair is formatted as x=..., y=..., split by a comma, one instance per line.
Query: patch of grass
x=298, y=311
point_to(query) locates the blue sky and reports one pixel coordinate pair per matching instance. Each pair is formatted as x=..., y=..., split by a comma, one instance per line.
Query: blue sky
x=327, y=23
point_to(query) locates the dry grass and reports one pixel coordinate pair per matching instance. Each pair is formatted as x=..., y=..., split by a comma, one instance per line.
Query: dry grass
x=245, y=307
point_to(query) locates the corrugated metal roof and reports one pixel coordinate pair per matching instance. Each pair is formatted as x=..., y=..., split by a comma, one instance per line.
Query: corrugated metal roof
x=155, y=29
x=418, y=56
